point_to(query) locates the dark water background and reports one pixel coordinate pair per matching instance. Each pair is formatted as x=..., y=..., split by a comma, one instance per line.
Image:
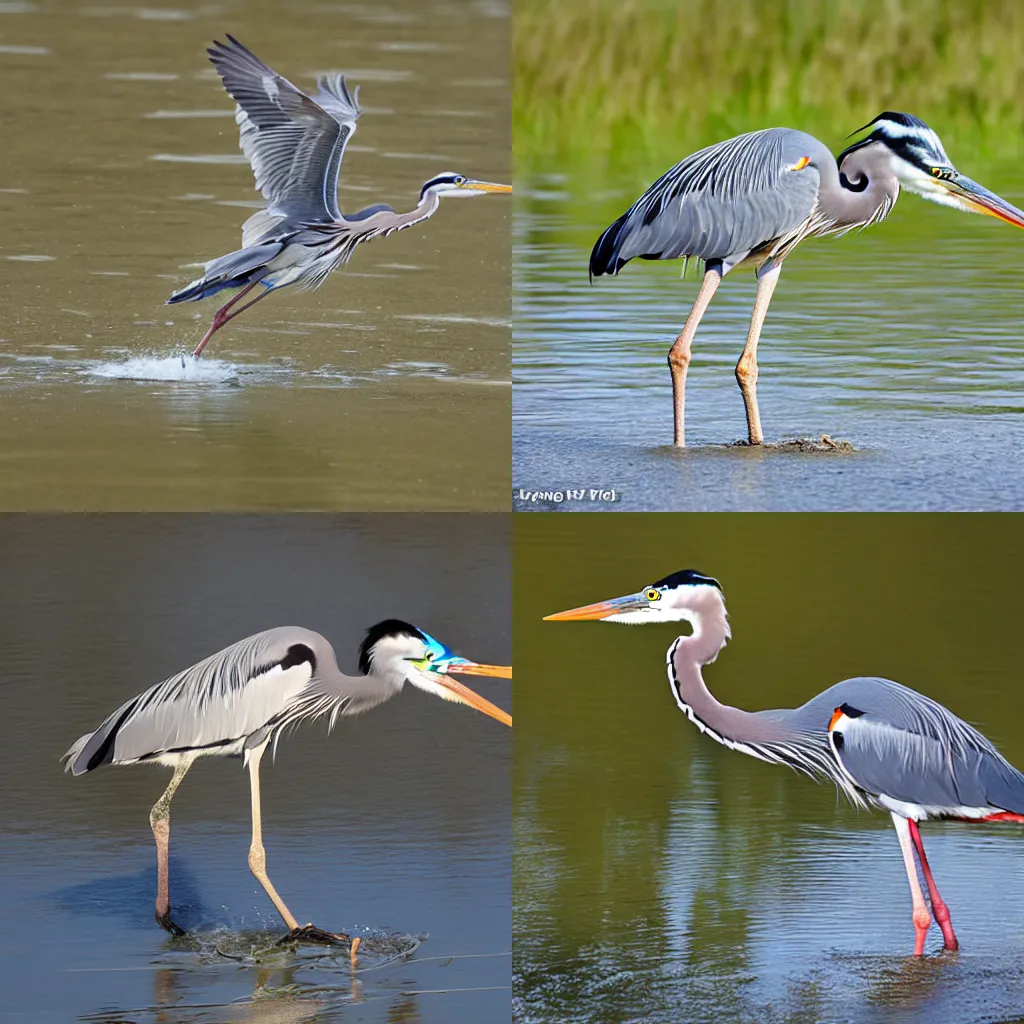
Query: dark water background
x=398, y=822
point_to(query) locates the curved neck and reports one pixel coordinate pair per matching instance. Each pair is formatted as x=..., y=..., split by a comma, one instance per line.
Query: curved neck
x=861, y=189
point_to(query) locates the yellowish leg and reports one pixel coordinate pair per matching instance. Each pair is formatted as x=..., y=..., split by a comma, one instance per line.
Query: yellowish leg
x=257, y=855
x=746, y=368
x=679, y=354
x=160, y=822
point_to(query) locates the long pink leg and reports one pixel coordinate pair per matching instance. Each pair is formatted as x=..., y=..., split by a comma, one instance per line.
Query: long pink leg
x=939, y=908
x=219, y=319
x=922, y=919
x=160, y=820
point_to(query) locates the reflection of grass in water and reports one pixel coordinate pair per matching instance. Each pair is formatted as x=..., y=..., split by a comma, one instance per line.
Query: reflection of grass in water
x=618, y=82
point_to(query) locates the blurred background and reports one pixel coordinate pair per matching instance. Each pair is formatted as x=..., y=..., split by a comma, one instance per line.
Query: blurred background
x=904, y=340
x=660, y=877
x=397, y=822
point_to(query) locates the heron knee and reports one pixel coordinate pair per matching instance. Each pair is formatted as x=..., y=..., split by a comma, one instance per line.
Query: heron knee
x=679, y=358
x=257, y=861
x=746, y=373
x=158, y=817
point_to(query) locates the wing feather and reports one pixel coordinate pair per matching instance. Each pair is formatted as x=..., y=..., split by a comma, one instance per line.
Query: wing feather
x=295, y=143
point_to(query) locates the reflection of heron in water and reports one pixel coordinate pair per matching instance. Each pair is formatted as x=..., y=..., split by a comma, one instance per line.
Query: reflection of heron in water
x=295, y=144
x=754, y=198
x=237, y=702
x=882, y=744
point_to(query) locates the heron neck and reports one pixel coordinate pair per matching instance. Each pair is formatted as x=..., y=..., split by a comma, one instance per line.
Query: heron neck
x=862, y=188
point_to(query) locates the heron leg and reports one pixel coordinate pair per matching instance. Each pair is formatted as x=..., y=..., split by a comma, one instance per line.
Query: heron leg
x=922, y=919
x=746, y=368
x=679, y=354
x=939, y=908
x=221, y=317
x=257, y=855
x=160, y=822
x=258, y=866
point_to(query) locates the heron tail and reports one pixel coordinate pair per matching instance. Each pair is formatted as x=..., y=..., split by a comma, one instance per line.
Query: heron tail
x=235, y=270
x=605, y=258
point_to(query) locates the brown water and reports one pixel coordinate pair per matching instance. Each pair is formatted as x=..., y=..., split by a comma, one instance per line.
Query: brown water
x=120, y=170
x=661, y=878
x=397, y=823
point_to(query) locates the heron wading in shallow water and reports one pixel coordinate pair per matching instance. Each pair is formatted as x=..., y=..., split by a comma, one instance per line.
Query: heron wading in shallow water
x=239, y=701
x=882, y=744
x=295, y=144
x=754, y=198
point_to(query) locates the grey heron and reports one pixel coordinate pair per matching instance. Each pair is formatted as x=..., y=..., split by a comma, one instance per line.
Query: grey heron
x=237, y=702
x=754, y=198
x=881, y=743
x=295, y=144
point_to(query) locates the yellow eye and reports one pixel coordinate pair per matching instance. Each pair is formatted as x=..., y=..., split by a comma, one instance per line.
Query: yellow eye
x=653, y=595
x=937, y=172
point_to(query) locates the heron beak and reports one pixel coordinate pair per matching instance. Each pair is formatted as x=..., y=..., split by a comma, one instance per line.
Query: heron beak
x=977, y=199
x=464, y=667
x=462, y=694
x=484, y=186
x=601, y=610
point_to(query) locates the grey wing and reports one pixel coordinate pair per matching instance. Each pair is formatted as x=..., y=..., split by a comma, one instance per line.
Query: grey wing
x=214, y=706
x=294, y=143
x=721, y=203
x=909, y=747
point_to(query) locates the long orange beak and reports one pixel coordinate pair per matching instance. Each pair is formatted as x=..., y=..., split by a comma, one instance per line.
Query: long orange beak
x=471, y=668
x=601, y=610
x=979, y=199
x=485, y=186
x=464, y=695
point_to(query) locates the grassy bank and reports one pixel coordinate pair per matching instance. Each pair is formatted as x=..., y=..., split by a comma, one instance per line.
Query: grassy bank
x=605, y=85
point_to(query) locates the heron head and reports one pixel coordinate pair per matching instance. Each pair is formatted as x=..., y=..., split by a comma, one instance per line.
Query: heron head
x=397, y=650
x=679, y=597
x=451, y=184
x=919, y=161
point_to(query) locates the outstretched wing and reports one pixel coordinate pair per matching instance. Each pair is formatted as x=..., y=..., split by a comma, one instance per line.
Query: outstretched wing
x=214, y=705
x=721, y=203
x=898, y=743
x=294, y=143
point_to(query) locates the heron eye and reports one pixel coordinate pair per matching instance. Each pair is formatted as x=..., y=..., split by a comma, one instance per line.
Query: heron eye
x=430, y=655
x=653, y=595
x=459, y=179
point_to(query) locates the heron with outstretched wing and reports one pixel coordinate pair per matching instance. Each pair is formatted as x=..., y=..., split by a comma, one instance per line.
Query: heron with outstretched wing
x=295, y=144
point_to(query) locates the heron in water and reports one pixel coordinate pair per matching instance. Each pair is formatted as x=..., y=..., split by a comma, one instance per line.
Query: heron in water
x=754, y=198
x=295, y=144
x=882, y=744
x=237, y=702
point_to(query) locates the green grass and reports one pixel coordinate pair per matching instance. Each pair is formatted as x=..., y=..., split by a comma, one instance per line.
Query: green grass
x=615, y=87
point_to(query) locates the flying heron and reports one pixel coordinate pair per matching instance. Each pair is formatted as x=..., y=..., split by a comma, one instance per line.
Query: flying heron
x=238, y=701
x=882, y=744
x=754, y=198
x=295, y=144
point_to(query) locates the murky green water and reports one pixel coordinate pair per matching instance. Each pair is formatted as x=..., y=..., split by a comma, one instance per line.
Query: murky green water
x=905, y=340
x=395, y=824
x=659, y=877
x=120, y=170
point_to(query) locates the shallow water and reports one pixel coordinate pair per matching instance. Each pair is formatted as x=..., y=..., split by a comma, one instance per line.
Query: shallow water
x=120, y=174
x=905, y=341
x=395, y=827
x=659, y=877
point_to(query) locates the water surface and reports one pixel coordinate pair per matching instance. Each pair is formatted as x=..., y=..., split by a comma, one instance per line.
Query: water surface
x=661, y=878
x=394, y=826
x=904, y=340
x=121, y=173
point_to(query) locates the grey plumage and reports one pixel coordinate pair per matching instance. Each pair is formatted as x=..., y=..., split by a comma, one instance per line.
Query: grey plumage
x=755, y=197
x=232, y=701
x=240, y=700
x=881, y=743
x=295, y=144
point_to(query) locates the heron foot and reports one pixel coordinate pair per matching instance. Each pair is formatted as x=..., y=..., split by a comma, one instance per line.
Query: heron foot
x=165, y=922
x=310, y=933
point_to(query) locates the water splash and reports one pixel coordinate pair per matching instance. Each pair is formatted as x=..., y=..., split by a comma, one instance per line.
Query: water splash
x=169, y=368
